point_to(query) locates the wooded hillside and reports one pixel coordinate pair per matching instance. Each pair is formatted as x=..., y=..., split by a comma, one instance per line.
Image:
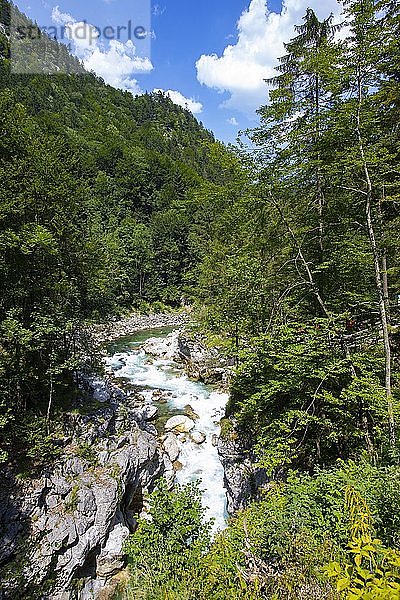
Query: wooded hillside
x=100, y=213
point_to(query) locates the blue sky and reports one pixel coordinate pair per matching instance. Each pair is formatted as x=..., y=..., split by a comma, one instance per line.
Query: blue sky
x=211, y=56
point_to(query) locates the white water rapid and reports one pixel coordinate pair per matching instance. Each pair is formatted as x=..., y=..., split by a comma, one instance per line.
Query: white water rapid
x=199, y=461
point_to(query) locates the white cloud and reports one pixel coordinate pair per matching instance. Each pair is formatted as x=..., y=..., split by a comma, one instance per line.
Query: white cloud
x=233, y=121
x=116, y=63
x=242, y=67
x=189, y=103
x=61, y=18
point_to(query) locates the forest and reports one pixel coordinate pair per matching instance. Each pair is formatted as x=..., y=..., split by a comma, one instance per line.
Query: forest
x=287, y=246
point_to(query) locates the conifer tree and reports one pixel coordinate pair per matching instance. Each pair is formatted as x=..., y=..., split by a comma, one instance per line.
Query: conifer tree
x=361, y=74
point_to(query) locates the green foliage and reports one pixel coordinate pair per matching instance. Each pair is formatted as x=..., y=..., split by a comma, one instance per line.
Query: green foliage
x=277, y=548
x=306, y=402
x=374, y=572
x=98, y=215
x=71, y=503
x=299, y=526
x=34, y=443
x=88, y=453
x=169, y=544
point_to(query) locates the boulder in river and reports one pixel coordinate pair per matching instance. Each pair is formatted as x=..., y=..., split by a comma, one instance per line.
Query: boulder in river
x=180, y=424
x=190, y=412
x=172, y=447
x=160, y=396
x=165, y=348
x=198, y=437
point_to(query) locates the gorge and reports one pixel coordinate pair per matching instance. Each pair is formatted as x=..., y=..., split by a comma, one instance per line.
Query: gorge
x=66, y=530
x=176, y=308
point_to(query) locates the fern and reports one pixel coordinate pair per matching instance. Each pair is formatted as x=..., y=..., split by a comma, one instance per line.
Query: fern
x=374, y=571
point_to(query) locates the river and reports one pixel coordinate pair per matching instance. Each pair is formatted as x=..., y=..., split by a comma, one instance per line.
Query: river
x=150, y=376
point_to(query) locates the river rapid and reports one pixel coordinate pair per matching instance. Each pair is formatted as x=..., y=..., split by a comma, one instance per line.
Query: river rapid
x=163, y=383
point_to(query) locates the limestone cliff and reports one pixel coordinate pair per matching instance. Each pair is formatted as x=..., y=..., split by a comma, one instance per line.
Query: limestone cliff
x=62, y=533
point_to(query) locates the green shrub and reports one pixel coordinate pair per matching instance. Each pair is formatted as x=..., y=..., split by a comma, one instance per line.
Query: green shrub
x=374, y=570
x=305, y=402
x=276, y=549
x=88, y=453
x=167, y=547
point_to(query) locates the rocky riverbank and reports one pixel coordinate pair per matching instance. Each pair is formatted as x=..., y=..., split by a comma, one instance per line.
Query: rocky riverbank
x=62, y=533
x=65, y=530
x=126, y=326
x=200, y=362
x=243, y=479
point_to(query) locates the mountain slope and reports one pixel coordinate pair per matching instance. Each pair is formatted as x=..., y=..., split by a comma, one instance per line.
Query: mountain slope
x=100, y=212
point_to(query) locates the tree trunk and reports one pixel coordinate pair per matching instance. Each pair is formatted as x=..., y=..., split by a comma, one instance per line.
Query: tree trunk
x=363, y=417
x=378, y=275
x=320, y=193
x=49, y=404
x=385, y=282
x=310, y=276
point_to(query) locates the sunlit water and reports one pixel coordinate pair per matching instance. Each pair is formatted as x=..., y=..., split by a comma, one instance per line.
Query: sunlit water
x=199, y=462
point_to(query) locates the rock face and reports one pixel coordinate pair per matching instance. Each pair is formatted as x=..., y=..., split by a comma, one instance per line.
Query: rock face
x=71, y=523
x=242, y=478
x=202, y=363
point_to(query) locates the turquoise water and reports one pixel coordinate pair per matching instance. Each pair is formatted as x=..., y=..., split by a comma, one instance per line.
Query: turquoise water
x=130, y=342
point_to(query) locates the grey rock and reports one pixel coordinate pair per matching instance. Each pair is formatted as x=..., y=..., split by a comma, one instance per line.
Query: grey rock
x=165, y=348
x=73, y=467
x=198, y=437
x=100, y=391
x=150, y=428
x=60, y=486
x=52, y=500
x=74, y=520
x=243, y=479
x=87, y=502
x=179, y=424
x=150, y=412
x=169, y=472
x=111, y=558
x=172, y=447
